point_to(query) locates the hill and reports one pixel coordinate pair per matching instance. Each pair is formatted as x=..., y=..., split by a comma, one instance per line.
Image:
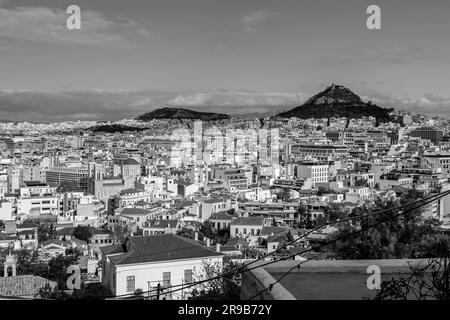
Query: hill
x=113, y=128
x=180, y=113
x=338, y=101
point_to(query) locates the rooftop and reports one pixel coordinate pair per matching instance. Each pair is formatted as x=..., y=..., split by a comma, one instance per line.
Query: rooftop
x=158, y=248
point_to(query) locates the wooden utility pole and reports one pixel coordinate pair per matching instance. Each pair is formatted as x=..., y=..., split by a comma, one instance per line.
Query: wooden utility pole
x=158, y=290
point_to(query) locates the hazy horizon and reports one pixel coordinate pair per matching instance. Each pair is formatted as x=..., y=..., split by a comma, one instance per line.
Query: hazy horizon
x=233, y=57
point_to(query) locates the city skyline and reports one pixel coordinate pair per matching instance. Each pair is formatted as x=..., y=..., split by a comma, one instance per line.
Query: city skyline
x=234, y=57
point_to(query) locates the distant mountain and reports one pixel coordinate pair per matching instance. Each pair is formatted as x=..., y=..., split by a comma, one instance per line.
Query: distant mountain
x=113, y=128
x=338, y=101
x=180, y=113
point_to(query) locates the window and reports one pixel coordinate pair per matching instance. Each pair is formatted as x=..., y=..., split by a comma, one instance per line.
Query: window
x=188, y=275
x=166, y=279
x=130, y=284
x=245, y=231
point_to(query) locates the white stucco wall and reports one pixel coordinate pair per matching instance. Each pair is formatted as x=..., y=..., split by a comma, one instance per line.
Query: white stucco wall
x=153, y=272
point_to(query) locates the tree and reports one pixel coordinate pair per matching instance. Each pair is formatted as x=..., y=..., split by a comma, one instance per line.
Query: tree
x=138, y=292
x=334, y=212
x=289, y=237
x=388, y=235
x=57, y=267
x=186, y=232
x=321, y=191
x=274, y=222
x=46, y=232
x=120, y=232
x=82, y=233
x=207, y=230
x=429, y=281
x=222, y=288
x=305, y=221
x=28, y=264
x=361, y=183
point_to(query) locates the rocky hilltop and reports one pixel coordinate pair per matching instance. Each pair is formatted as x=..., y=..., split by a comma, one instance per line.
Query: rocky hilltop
x=338, y=101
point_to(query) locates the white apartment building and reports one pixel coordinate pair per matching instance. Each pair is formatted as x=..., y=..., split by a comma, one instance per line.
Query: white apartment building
x=146, y=261
x=38, y=204
x=316, y=172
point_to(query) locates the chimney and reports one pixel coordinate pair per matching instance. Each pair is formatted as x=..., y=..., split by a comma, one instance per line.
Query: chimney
x=218, y=247
x=196, y=236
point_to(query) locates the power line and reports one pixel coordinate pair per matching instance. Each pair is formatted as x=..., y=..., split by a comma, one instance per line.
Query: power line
x=337, y=239
x=245, y=268
x=435, y=197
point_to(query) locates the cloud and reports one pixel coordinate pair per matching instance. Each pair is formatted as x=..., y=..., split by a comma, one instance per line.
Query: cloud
x=241, y=102
x=20, y=105
x=395, y=54
x=48, y=25
x=430, y=104
x=16, y=105
x=252, y=20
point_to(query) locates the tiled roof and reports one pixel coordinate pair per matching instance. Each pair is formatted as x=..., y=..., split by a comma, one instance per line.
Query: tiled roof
x=214, y=200
x=162, y=248
x=56, y=242
x=130, y=191
x=221, y=216
x=116, y=248
x=130, y=161
x=274, y=230
x=27, y=225
x=248, y=221
x=66, y=231
x=7, y=236
x=276, y=238
x=20, y=286
x=134, y=212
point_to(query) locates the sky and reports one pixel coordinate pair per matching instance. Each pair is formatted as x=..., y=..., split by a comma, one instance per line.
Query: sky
x=228, y=56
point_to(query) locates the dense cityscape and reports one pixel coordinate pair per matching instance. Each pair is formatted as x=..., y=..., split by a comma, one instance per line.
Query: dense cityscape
x=221, y=159
x=176, y=207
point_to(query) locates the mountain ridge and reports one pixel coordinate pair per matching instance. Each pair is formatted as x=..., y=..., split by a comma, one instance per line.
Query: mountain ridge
x=181, y=113
x=338, y=101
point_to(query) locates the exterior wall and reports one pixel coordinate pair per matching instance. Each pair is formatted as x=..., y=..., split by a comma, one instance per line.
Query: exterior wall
x=317, y=173
x=207, y=209
x=238, y=230
x=6, y=210
x=389, y=184
x=221, y=224
x=255, y=281
x=45, y=205
x=153, y=272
